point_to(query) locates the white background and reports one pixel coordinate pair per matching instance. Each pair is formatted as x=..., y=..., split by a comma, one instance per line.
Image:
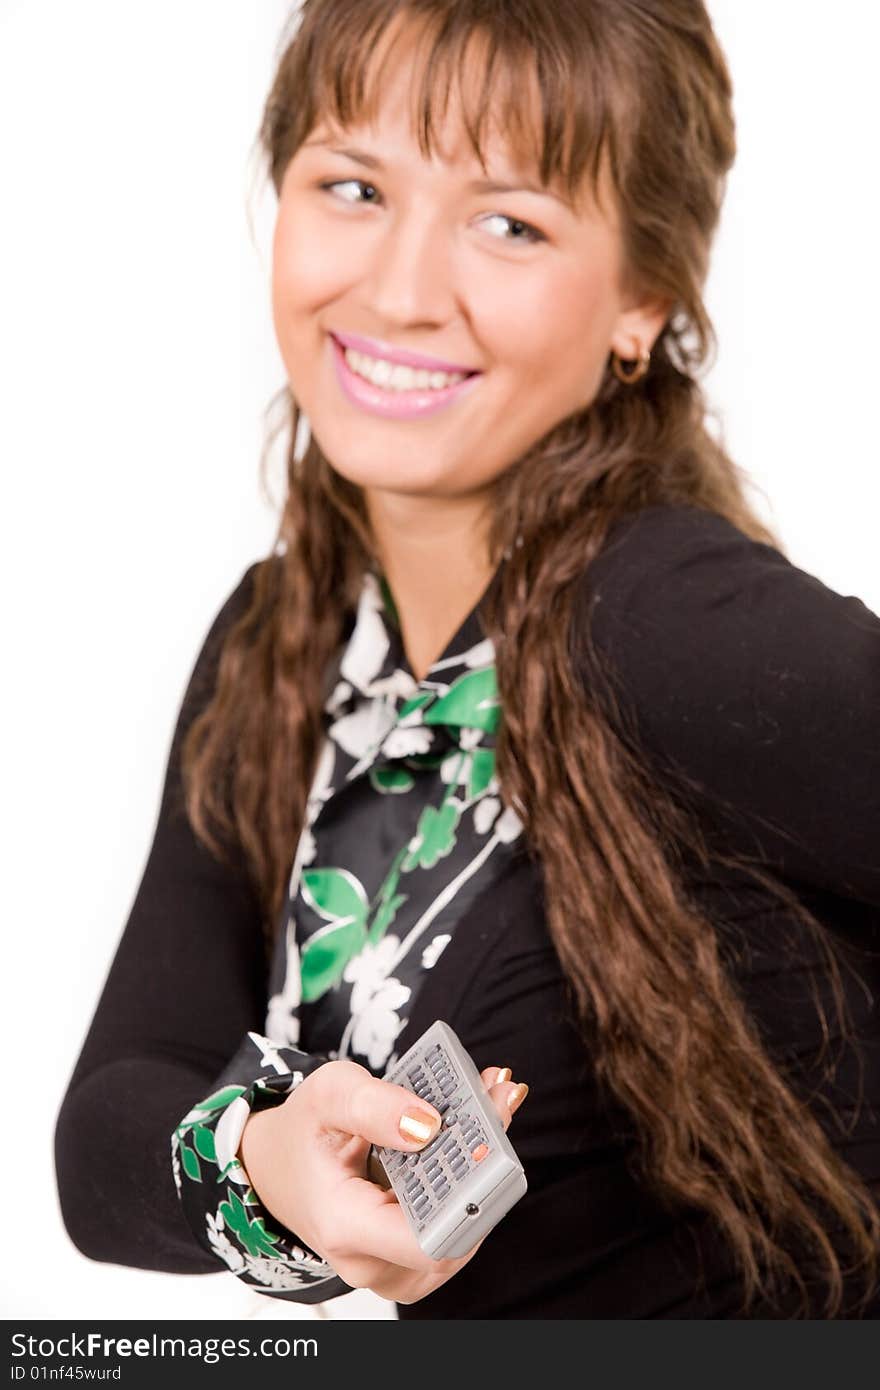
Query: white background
x=136, y=360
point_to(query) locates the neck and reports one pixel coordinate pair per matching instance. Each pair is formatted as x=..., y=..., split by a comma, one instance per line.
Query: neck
x=434, y=555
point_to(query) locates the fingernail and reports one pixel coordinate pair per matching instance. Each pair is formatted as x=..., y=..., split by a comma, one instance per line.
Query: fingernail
x=418, y=1124
x=517, y=1097
x=504, y=1075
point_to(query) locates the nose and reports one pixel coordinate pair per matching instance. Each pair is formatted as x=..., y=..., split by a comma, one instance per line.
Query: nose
x=410, y=276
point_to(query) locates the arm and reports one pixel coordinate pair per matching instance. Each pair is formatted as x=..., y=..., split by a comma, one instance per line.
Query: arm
x=753, y=683
x=186, y=989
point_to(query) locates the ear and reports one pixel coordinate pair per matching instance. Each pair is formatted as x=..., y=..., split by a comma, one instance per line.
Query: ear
x=639, y=325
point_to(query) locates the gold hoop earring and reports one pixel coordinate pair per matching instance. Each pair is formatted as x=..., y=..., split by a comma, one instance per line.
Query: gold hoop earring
x=632, y=374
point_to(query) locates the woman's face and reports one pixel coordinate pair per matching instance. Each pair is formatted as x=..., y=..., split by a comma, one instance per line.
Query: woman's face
x=399, y=254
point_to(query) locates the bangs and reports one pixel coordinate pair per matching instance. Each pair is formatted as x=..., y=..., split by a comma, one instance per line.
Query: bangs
x=519, y=71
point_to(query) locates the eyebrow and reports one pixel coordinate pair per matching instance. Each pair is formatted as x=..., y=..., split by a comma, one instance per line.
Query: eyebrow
x=475, y=186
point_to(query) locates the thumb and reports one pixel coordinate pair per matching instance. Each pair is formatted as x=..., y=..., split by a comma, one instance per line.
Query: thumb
x=355, y=1102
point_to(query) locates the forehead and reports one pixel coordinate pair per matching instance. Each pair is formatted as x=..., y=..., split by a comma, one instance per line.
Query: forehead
x=464, y=97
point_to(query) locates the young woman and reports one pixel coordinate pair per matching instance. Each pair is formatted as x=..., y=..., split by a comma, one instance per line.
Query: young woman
x=526, y=723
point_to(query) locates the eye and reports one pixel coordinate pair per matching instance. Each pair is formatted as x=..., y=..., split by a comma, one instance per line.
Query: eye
x=530, y=233
x=347, y=183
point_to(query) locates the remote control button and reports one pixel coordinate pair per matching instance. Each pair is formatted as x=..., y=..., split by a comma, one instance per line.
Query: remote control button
x=458, y=1167
x=479, y=1153
x=450, y=1144
x=422, y=1206
x=412, y=1160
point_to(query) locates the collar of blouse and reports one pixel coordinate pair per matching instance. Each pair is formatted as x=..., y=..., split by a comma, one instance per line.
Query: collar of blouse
x=385, y=720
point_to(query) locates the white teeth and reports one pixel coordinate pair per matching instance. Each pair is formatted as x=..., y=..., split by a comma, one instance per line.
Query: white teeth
x=394, y=377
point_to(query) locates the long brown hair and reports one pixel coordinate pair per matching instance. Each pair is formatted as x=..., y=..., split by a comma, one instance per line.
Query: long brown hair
x=642, y=85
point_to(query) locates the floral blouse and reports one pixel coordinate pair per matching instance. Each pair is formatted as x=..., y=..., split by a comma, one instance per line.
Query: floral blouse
x=404, y=828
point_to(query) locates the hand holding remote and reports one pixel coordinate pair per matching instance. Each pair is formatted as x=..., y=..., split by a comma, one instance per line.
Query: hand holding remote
x=307, y=1161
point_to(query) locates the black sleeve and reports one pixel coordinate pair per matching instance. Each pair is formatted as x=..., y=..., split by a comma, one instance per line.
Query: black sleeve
x=754, y=684
x=175, y=1041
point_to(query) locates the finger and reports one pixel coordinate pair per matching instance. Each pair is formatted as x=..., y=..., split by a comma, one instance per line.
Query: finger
x=375, y=1225
x=490, y=1076
x=347, y=1100
x=507, y=1098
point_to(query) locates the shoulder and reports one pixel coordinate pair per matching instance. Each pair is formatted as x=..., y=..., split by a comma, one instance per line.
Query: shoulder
x=749, y=675
x=725, y=649
x=238, y=600
x=718, y=641
x=697, y=551
x=686, y=583
x=230, y=609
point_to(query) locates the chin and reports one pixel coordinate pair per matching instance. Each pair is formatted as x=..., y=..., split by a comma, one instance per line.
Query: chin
x=376, y=468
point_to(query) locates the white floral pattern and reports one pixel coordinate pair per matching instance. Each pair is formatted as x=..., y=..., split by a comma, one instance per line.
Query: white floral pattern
x=227, y=1137
x=485, y=813
x=375, y=1001
x=222, y=1245
x=405, y=743
x=434, y=950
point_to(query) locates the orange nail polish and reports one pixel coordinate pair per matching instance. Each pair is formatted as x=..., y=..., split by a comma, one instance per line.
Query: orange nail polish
x=518, y=1096
x=419, y=1125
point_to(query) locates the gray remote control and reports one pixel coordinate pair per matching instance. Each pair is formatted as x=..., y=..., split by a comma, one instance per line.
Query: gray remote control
x=460, y=1185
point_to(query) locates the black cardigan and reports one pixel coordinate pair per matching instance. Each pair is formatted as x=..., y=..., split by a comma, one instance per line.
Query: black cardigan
x=743, y=673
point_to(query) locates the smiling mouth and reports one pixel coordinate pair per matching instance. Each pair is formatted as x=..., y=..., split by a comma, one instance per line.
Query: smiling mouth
x=394, y=390
x=398, y=377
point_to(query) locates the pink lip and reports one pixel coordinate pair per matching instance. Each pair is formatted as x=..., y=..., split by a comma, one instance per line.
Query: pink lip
x=394, y=405
x=374, y=347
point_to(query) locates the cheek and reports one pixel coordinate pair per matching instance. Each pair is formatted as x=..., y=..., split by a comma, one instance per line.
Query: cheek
x=549, y=321
x=305, y=265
